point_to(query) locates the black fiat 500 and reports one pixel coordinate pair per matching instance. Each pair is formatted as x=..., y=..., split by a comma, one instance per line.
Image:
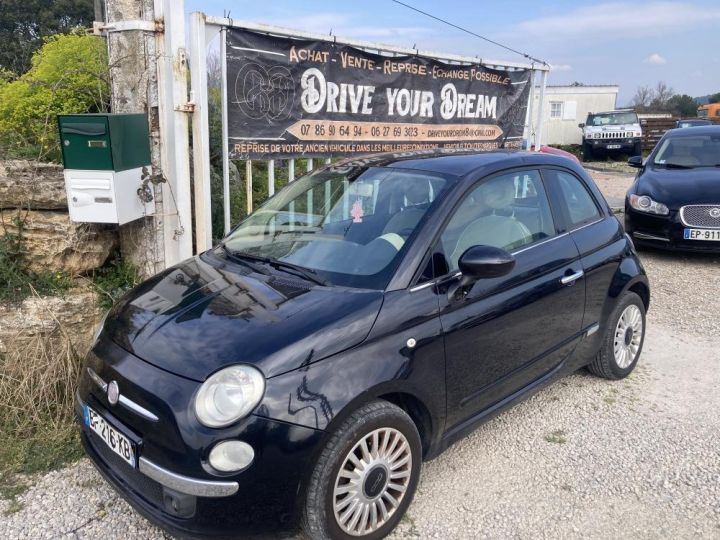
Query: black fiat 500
x=674, y=202
x=357, y=324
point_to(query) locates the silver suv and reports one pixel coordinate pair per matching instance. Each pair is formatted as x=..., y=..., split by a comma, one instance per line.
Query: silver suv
x=611, y=132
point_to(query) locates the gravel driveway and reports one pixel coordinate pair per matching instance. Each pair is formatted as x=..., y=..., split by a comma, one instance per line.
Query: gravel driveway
x=584, y=458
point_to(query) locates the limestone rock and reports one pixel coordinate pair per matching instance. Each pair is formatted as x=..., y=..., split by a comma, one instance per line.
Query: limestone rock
x=72, y=316
x=57, y=244
x=28, y=184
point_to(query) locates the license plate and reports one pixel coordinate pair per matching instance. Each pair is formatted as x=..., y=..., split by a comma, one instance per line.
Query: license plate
x=116, y=441
x=614, y=146
x=712, y=235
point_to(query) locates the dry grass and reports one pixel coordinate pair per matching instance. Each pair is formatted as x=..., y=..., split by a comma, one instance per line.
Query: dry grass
x=37, y=384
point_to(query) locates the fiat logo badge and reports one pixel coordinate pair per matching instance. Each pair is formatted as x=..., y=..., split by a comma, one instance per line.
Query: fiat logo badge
x=715, y=212
x=113, y=393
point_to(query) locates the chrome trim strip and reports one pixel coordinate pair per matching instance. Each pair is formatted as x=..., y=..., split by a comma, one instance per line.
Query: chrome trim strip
x=423, y=286
x=590, y=331
x=122, y=400
x=567, y=280
x=185, y=484
x=643, y=236
x=538, y=244
x=682, y=216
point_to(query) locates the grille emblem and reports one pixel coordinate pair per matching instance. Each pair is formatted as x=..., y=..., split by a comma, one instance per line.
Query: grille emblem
x=113, y=393
x=714, y=212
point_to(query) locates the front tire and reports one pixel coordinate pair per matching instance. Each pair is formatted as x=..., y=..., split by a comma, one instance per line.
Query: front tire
x=637, y=150
x=587, y=153
x=365, y=477
x=623, y=341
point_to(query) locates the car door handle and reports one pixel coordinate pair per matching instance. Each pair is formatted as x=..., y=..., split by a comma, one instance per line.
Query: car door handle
x=572, y=278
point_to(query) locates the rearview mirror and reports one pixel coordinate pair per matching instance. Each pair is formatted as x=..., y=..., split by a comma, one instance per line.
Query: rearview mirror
x=636, y=161
x=482, y=262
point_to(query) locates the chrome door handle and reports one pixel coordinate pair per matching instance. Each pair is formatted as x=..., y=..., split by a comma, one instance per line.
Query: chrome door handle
x=572, y=278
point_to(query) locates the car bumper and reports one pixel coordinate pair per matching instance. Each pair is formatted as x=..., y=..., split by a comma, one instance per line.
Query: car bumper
x=609, y=145
x=663, y=232
x=172, y=485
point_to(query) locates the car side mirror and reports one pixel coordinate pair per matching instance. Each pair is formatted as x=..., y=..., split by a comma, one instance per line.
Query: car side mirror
x=636, y=161
x=581, y=125
x=482, y=262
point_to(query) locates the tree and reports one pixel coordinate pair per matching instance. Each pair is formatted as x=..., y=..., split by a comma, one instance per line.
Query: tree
x=25, y=24
x=68, y=75
x=682, y=105
x=642, y=98
x=714, y=98
x=661, y=95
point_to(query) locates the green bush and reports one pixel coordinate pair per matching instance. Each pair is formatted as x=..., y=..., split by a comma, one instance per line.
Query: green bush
x=115, y=279
x=68, y=75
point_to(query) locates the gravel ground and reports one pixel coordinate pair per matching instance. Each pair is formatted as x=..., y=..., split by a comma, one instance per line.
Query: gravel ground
x=584, y=458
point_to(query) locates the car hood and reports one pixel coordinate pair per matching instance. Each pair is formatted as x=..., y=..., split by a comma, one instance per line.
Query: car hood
x=208, y=313
x=678, y=187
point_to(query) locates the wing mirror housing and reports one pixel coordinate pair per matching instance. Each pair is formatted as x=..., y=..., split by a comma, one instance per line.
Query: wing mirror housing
x=636, y=162
x=581, y=125
x=482, y=262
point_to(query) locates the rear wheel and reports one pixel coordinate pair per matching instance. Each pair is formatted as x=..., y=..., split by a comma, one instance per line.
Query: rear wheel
x=365, y=477
x=623, y=341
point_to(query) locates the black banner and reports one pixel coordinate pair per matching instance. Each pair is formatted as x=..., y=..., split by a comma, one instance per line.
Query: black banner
x=290, y=97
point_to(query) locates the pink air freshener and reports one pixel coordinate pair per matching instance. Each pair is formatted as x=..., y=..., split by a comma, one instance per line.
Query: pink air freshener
x=357, y=211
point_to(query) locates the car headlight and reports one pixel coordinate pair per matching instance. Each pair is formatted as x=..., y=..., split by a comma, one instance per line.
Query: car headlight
x=229, y=395
x=637, y=133
x=589, y=135
x=643, y=203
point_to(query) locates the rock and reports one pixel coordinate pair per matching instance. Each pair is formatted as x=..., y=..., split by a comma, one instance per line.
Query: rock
x=73, y=316
x=27, y=184
x=56, y=244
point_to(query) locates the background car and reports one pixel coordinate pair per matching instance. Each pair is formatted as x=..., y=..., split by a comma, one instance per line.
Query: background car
x=692, y=122
x=302, y=371
x=674, y=202
x=611, y=132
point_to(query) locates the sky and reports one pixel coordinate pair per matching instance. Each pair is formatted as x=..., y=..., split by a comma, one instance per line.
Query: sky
x=630, y=43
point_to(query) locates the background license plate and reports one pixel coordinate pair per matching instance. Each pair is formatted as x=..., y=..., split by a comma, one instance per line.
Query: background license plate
x=713, y=235
x=117, y=442
x=613, y=146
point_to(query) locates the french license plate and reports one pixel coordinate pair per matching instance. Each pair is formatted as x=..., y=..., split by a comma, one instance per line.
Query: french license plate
x=614, y=146
x=712, y=235
x=116, y=441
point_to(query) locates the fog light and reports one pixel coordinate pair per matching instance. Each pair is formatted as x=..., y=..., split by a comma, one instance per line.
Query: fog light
x=229, y=456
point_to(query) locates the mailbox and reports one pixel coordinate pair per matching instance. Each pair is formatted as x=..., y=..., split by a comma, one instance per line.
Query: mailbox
x=104, y=156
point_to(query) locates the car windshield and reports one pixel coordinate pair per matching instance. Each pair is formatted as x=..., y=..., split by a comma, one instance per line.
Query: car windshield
x=689, y=152
x=612, y=119
x=344, y=225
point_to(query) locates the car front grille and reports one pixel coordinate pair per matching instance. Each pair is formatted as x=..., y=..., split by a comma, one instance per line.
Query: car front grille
x=614, y=135
x=701, y=215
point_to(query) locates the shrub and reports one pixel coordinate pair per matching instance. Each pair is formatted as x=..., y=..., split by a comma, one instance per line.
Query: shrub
x=115, y=279
x=68, y=75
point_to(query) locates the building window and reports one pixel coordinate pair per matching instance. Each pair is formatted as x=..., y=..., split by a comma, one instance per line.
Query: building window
x=556, y=109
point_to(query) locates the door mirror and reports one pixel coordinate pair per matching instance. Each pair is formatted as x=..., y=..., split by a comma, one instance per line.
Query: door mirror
x=581, y=125
x=482, y=262
x=636, y=161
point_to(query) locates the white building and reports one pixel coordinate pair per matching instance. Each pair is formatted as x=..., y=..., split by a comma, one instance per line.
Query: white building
x=567, y=106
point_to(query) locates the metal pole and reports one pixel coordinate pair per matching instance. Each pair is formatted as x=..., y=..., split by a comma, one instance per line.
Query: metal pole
x=248, y=186
x=225, y=151
x=201, y=133
x=527, y=133
x=174, y=137
x=291, y=206
x=291, y=170
x=309, y=165
x=541, y=111
x=271, y=178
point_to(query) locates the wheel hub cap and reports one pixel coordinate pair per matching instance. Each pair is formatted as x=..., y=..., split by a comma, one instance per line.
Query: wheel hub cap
x=372, y=481
x=628, y=335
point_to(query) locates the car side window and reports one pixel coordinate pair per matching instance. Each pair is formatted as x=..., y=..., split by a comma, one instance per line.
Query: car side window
x=509, y=211
x=579, y=204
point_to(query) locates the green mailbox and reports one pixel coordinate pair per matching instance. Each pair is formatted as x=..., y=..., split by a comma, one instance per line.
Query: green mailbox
x=104, y=156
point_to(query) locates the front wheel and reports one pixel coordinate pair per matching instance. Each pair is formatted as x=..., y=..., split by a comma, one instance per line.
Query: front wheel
x=365, y=477
x=587, y=153
x=623, y=340
x=637, y=150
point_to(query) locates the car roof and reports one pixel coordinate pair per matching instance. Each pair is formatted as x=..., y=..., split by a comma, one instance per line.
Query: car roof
x=456, y=163
x=694, y=131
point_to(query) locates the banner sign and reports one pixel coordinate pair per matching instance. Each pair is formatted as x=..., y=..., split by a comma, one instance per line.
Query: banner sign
x=289, y=97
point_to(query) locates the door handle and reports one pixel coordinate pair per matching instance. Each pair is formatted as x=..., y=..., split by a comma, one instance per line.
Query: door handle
x=572, y=278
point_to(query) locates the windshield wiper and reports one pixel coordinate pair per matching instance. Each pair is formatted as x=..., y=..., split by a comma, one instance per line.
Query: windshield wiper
x=676, y=166
x=306, y=273
x=241, y=257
